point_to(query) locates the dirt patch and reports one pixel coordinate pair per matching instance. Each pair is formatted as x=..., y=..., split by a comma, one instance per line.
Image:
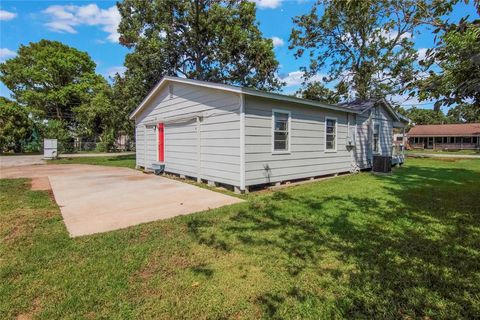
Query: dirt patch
x=40, y=183
x=36, y=308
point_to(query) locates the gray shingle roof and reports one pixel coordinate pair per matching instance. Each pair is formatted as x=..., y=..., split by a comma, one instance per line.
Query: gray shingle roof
x=358, y=105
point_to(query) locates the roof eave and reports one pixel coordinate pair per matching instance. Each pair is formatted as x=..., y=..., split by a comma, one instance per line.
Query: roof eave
x=270, y=95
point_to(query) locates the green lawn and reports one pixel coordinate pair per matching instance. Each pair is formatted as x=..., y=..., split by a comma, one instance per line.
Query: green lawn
x=115, y=161
x=402, y=246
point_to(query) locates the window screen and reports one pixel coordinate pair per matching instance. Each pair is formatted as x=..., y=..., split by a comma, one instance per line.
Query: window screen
x=280, y=131
x=330, y=134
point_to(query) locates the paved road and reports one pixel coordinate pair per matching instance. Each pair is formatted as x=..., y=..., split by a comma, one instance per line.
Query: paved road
x=443, y=155
x=96, y=199
x=24, y=160
x=15, y=161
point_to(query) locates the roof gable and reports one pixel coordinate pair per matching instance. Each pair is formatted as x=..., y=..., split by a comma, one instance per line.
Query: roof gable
x=362, y=106
x=235, y=89
x=356, y=106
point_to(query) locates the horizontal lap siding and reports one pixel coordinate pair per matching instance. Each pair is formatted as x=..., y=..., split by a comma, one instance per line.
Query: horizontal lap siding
x=139, y=145
x=386, y=131
x=307, y=158
x=364, y=144
x=181, y=147
x=219, y=132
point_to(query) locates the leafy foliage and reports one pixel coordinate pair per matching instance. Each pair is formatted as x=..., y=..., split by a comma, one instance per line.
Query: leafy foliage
x=457, y=55
x=317, y=91
x=59, y=85
x=15, y=126
x=57, y=129
x=210, y=40
x=465, y=113
x=425, y=116
x=366, y=46
x=51, y=78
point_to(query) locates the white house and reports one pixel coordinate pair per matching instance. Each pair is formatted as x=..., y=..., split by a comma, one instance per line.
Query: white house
x=243, y=137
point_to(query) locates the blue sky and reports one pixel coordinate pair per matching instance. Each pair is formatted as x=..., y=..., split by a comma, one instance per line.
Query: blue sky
x=91, y=26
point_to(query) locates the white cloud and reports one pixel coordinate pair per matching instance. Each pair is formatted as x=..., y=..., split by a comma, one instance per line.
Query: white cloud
x=392, y=35
x=111, y=72
x=5, y=15
x=6, y=54
x=421, y=53
x=295, y=78
x=268, y=4
x=67, y=18
x=277, y=42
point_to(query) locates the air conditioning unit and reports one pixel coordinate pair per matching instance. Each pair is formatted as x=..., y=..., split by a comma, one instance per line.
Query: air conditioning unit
x=382, y=164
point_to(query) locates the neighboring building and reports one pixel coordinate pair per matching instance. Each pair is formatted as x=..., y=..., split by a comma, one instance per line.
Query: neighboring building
x=399, y=139
x=445, y=136
x=244, y=137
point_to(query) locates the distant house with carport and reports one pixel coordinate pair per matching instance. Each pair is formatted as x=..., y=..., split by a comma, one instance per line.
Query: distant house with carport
x=445, y=136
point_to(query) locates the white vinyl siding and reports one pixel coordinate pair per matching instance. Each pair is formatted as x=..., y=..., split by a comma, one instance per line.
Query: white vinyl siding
x=364, y=148
x=209, y=149
x=306, y=156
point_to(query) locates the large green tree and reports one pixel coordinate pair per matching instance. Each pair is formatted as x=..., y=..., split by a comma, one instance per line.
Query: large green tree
x=425, y=116
x=464, y=113
x=16, y=127
x=454, y=64
x=365, y=46
x=51, y=78
x=211, y=40
x=318, y=91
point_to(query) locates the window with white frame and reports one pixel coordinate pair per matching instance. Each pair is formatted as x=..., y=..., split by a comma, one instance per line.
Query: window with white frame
x=330, y=134
x=376, y=137
x=281, y=131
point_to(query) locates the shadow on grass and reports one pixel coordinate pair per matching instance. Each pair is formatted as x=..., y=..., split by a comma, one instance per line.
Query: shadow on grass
x=408, y=249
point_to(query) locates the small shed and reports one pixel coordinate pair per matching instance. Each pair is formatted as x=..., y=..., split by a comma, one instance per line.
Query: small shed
x=244, y=137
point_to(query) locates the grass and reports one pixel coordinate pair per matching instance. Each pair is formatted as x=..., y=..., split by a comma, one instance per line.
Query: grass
x=127, y=161
x=373, y=247
x=466, y=152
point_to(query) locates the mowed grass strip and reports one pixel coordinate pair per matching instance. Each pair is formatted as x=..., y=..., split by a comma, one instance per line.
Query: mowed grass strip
x=362, y=246
x=127, y=161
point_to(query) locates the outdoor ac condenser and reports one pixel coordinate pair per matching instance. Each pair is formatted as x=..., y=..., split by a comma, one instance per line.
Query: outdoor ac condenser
x=382, y=164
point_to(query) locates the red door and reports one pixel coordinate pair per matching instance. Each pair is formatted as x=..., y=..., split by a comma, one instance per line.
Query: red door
x=161, y=142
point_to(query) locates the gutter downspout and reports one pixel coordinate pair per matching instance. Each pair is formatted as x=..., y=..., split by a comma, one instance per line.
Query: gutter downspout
x=145, y=147
x=199, y=152
x=370, y=134
x=242, y=142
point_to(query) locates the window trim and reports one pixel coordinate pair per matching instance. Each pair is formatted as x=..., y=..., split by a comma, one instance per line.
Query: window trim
x=325, y=135
x=377, y=145
x=289, y=131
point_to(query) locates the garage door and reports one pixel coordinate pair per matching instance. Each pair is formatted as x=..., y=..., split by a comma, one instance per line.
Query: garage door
x=181, y=153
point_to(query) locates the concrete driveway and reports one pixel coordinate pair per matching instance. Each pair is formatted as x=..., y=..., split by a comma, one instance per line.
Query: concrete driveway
x=96, y=199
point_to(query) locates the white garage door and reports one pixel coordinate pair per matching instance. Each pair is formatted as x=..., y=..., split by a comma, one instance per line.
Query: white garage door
x=181, y=153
